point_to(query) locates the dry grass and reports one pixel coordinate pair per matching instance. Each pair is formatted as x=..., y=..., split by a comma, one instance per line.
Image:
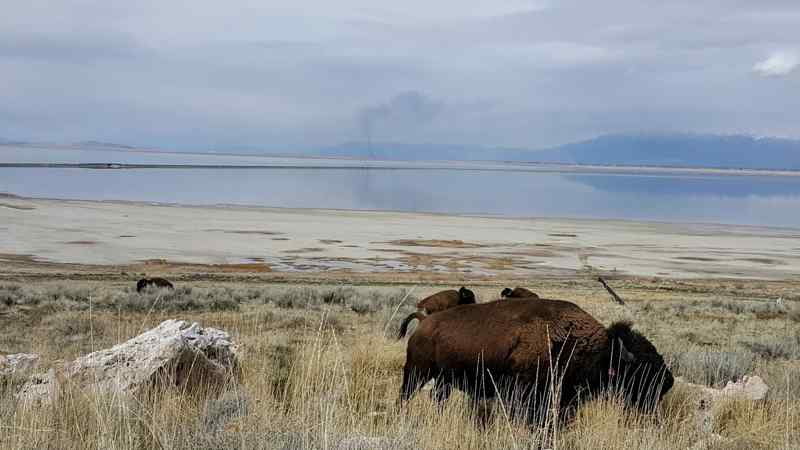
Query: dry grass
x=318, y=372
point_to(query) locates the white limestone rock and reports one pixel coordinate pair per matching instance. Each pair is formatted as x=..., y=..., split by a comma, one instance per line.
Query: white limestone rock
x=751, y=388
x=174, y=353
x=747, y=388
x=18, y=363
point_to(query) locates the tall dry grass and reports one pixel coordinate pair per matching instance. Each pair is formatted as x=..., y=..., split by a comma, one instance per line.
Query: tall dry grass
x=326, y=376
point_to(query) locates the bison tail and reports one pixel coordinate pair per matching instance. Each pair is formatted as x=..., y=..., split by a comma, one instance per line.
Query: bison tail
x=404, y=324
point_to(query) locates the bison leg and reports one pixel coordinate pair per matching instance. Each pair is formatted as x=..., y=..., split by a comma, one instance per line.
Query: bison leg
x=413, y=380
x=441, y=390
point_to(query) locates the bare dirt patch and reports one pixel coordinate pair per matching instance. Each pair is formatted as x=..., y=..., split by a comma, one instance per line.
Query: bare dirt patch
x=14, y=258
x=81, y=242
x=493, y=262
x=248, y=232
x=162, y=265
x=696, y=258
x=305, y=250
x=391, y=250
x=330, y=241
x=536, y=252
x=456, y=262
x=417, y=260
x=17, y=207
x=444, y=243
x=768, y=261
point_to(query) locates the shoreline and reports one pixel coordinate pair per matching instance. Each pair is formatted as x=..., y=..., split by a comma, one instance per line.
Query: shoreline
x=90, y=236
x=477, y=215
x=361, y=163
x=465, y=166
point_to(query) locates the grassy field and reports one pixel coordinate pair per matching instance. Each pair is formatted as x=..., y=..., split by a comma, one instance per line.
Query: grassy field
x=322, y=370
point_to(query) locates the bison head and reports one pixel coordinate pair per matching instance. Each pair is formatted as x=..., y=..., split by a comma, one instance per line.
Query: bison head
x=142, y=284
x=465, y=296
x=636, y=368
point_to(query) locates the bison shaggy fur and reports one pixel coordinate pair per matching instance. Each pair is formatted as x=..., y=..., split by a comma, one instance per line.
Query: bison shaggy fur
x=162, y=283
x=521, y=346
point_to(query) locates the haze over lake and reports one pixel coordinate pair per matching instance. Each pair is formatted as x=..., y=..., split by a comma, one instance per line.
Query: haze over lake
x=749, y=200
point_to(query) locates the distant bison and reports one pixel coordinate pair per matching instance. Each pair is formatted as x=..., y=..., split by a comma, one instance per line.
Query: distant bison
x=157, y=282
x=437, y=302
x=519, y=344
x=518, y=292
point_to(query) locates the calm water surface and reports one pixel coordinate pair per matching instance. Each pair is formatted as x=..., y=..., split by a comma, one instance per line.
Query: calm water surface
x=750, y=200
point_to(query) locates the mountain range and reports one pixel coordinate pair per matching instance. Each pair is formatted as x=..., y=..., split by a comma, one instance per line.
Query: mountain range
x=654, y=149
x=674, y=150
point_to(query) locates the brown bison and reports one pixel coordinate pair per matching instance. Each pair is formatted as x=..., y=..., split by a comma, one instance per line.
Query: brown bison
x=518, y=292
x=519, y=346
x=437, y=302
x=161, y=283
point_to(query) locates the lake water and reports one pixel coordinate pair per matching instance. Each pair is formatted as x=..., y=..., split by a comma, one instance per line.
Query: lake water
x=749, y=200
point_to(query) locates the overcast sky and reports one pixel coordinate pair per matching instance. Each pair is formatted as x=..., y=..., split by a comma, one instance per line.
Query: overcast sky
x=280, y=76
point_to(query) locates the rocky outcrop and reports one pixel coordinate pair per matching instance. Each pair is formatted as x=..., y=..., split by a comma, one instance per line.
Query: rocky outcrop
x=18, y=364
x=176, y=353
x=751, y=388
x=748, y=388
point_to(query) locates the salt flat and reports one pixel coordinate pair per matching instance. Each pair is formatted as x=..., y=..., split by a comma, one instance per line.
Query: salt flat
x=314, y=240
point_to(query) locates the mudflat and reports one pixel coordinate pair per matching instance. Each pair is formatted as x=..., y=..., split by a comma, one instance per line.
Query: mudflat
x=39, y=234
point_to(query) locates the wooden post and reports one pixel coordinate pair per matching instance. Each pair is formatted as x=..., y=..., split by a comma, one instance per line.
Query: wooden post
x=614, y=295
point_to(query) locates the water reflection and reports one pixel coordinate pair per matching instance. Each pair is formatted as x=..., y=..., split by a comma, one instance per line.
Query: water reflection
x=771, y=201
x=719, y=185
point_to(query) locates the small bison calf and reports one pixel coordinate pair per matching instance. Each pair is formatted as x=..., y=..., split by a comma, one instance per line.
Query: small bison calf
x=518, y=292
x=437, y=302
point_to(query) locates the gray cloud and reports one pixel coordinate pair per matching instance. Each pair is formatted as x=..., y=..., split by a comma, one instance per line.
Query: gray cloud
x=520, y=73
x=67, y=47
